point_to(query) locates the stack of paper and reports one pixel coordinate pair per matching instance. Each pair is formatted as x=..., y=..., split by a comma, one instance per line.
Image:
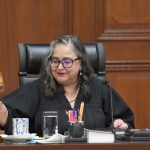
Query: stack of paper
x=97, y=136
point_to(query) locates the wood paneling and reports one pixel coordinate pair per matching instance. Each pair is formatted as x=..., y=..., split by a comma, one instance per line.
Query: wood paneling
x=123, y=26
x=134, y=88
x=123, y=20
x=28, y=21
x=84, y=19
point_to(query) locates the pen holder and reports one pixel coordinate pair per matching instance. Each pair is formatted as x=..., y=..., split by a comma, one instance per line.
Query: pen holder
x=76, y=132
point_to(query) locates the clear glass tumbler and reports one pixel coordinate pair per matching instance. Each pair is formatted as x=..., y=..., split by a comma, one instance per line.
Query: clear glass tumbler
x=50, y=123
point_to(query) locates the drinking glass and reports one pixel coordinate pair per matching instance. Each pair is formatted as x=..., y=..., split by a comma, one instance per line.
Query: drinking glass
x=50, y=123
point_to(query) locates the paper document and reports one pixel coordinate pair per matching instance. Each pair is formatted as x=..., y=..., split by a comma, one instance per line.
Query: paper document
x=56, y=138
x=98, y=136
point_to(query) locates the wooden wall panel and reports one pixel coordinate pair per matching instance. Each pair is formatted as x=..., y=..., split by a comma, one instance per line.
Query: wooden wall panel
x=84, y=19
x=123, y=26
x=127, y=50
x=28, y=21
x=134, y=88
x=123, y=20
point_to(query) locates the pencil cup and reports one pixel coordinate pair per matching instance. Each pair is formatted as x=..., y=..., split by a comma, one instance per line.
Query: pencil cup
x=76, y=129
x=50, y=123
x=20, y=126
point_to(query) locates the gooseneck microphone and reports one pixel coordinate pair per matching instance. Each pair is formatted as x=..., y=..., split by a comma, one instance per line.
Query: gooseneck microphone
x=111, y=105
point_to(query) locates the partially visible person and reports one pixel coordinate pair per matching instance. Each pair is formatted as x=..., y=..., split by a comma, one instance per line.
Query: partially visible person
x=66, y=80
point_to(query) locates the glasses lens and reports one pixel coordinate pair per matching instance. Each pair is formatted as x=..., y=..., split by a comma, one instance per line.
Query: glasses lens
x=54, y=62
x=67, y=63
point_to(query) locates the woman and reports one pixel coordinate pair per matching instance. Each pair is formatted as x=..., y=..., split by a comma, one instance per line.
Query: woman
x=66, y=81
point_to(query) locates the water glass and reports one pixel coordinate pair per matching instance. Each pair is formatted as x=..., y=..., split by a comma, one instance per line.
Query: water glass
x=50, y=123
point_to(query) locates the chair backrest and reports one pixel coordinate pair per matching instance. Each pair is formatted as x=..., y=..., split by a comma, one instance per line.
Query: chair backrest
x=31, y=57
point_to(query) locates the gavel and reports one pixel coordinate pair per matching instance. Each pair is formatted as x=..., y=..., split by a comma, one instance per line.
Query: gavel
x=1, y=83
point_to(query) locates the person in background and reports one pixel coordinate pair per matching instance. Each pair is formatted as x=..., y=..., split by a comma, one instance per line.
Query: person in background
x=66, y=81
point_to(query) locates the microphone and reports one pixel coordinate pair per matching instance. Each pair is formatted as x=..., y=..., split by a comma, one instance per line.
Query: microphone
x=111, y=105
x=114, y=129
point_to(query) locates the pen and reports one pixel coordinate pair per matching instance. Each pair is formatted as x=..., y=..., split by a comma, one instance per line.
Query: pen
x=72, y=115
x=81, y=110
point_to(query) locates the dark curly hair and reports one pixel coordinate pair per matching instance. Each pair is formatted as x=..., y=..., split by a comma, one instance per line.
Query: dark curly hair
x=49, y=85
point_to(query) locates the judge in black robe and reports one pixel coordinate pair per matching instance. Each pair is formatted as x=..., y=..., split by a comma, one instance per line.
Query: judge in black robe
x=66, y=69
x=29, y=101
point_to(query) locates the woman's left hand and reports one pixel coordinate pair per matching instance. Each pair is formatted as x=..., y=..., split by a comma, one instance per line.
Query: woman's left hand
x=119, y=123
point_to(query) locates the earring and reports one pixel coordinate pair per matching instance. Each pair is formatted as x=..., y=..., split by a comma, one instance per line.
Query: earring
x=80, y=73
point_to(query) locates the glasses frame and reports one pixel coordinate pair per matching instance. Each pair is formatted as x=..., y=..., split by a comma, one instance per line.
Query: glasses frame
x=62, y=61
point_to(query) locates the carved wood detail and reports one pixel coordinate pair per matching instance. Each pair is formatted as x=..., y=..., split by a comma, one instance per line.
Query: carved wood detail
x=123, y=20
x=127, y=65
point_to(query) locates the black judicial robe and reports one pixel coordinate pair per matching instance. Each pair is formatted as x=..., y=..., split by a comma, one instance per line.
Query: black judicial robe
x=29, y=101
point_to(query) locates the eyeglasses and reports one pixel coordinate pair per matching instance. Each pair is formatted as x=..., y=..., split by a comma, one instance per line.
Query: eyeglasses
x=66, y=62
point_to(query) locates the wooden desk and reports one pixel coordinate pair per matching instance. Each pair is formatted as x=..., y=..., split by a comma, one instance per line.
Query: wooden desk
x=118, y=146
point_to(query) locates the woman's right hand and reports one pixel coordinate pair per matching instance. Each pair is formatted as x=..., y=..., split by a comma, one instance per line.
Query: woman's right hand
x=3, y=114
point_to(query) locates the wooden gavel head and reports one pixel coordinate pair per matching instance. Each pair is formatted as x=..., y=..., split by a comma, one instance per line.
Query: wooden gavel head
x=1, y=83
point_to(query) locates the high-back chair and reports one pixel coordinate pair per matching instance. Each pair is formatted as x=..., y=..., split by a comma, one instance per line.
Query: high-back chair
x=31, y=57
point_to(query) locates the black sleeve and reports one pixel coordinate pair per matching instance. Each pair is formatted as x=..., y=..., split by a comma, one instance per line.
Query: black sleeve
x=21, y=103
x=119, y=108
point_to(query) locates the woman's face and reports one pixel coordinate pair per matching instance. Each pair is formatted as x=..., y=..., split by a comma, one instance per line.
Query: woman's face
x=64, y=75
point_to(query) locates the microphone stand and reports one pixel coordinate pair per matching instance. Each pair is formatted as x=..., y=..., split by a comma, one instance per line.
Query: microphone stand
x=111, y=105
